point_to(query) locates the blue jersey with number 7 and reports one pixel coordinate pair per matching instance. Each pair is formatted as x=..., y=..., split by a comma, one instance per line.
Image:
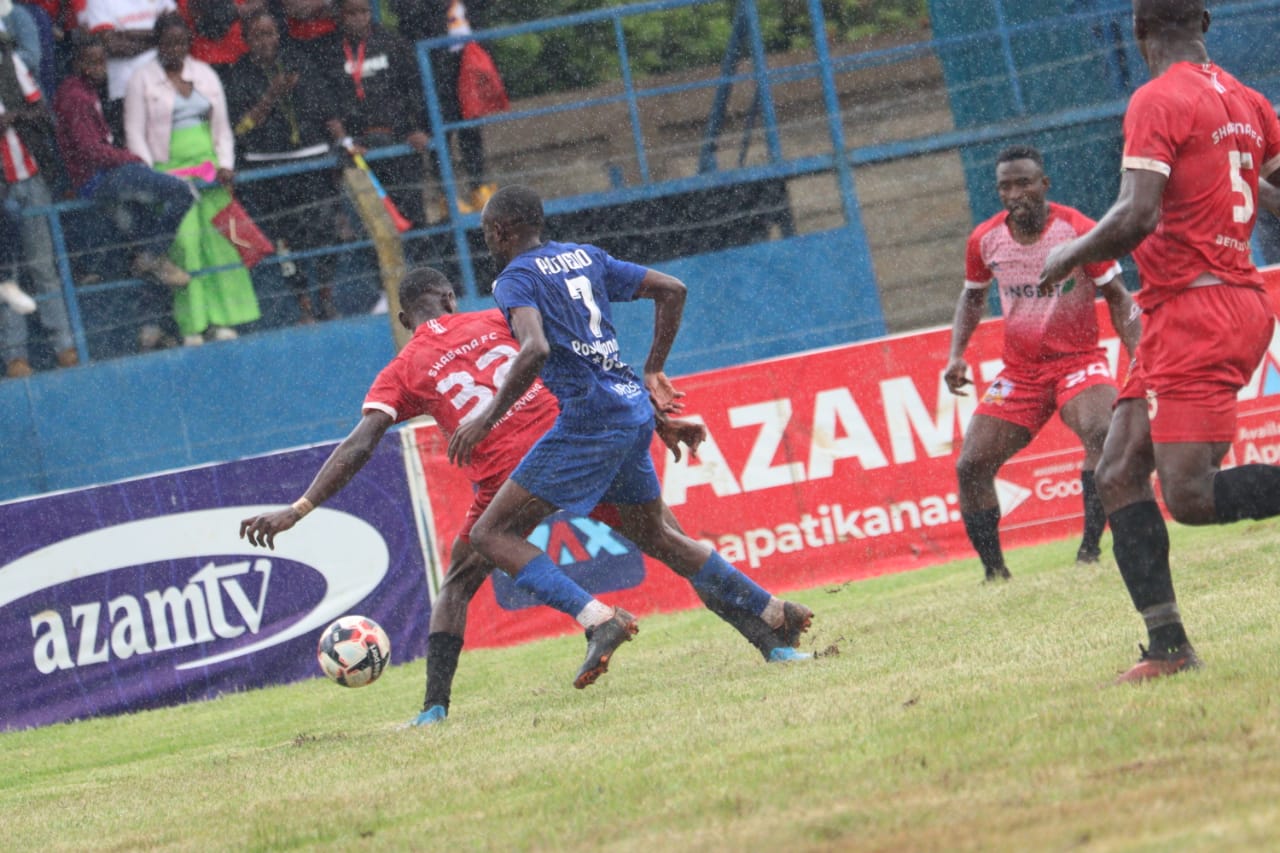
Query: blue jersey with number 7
x=573, y=285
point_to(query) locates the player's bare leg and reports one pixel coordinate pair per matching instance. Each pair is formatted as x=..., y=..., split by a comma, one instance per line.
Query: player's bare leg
x=500, y=535
x=1196, y=491
x=1088, y=415
x=467, y=572
x=1188, y=471
x=988, y=444
x=775, y=645
x=648, y=525
x=1140, y=542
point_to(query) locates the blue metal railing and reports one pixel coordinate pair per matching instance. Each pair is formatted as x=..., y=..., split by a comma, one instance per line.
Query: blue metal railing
x=839, y=159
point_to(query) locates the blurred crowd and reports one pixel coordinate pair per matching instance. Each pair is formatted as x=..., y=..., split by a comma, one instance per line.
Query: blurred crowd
x=149, y=109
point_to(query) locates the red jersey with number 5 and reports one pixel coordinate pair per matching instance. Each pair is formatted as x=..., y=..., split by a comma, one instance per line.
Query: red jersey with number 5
x=450, y=369
x=1213, y=137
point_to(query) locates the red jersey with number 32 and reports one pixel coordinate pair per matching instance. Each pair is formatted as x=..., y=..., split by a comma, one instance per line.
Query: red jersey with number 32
x=1214, y=138
x=1038, y=328
x=449, y=370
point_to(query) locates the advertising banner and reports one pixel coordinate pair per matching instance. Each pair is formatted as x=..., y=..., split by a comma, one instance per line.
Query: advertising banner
x=823, y=467
x=141, y=593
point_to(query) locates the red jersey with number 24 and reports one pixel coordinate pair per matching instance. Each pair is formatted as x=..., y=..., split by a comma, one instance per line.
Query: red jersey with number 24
x=450, y=369
x=1214, y=138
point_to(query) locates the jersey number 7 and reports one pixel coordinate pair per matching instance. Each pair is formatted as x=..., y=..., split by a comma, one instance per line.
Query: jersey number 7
x=580, y=288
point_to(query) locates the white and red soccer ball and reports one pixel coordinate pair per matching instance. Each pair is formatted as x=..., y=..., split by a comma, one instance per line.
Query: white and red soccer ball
x=353, y=651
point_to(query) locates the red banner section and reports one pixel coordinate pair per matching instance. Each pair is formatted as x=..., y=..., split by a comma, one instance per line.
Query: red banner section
x=824, y=467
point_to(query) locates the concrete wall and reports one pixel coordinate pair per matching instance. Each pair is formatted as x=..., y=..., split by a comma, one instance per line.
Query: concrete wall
x=127, y=417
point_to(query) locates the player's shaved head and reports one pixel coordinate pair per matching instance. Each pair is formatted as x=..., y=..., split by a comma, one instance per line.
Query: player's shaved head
x=516, y=205
x=422, y=283
x=1169, y=14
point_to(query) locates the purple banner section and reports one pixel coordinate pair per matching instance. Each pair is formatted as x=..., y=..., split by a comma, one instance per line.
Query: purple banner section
x=141, y=593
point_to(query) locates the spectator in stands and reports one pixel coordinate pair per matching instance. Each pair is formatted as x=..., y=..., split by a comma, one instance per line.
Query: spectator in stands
x=22, y=26
x=11, y=294
x=146, y=206
x=217, y=28
x=176, y=120
x=26, y=132
x=62, y=14
x=128, y=31
x=55, y=21
x=18, y=25
x=424, y=19
x=275, y=101
x=309, y=24
x=47, y=35
x=378, y=102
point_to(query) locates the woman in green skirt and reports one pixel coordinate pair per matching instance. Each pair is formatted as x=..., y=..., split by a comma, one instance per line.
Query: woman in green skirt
x=176, y=120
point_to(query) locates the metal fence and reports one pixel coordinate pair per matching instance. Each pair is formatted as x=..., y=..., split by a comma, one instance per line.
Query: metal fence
x=892, y=140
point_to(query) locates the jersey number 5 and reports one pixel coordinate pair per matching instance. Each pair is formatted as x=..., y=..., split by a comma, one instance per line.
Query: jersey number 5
x=1241, y=160
x=580, y=288
x=466, y=387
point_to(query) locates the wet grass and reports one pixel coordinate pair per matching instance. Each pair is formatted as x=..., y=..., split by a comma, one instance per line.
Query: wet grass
x=946, y=715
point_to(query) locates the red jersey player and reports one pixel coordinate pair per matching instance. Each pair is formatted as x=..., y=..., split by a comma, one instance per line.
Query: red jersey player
x=449, y=370
x=1197, y=143
x=1052, y=361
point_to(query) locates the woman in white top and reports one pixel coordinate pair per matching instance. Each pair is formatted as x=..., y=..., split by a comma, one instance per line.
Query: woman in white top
x=176, y=120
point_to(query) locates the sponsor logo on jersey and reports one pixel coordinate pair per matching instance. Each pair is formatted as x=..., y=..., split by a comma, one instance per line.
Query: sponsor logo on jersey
x=602, y=352
x=999, y=391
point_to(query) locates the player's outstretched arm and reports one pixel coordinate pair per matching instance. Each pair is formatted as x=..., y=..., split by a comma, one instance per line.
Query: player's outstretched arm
x=1135, y=214
x=1126, y=316
x=526, y=325
x=343, y=464
x=668, y=294
x=969, y=310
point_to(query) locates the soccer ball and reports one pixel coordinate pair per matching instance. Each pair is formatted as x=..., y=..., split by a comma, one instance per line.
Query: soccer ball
x=353, y=651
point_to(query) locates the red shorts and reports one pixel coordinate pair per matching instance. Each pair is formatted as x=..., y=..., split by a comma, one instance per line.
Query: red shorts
x=486, y=489
x=1028, y=396
x=1198, y=349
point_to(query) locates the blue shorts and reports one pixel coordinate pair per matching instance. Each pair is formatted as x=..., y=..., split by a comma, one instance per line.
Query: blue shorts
x=577, y=468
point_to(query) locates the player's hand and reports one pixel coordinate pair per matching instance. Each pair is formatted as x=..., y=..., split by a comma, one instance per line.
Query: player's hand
x=957, y=376
x=663, y=394
x=464, y=440
x=674, y=431
x=261, y=530
x=1057, y=266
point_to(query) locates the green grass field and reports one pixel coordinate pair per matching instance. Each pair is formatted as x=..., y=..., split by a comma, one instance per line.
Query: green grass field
x=955, y=716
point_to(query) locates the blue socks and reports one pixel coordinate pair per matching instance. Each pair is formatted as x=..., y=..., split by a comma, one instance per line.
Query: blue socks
x=719, y=580
x=544, y=581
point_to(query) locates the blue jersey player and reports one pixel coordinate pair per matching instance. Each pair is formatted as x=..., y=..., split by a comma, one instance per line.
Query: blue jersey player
x=558, y=299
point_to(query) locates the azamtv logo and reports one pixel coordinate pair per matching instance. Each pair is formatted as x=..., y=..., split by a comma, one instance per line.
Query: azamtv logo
x=237, y=600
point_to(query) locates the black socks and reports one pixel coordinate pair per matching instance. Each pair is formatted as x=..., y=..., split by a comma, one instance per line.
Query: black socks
x=1095, y=517
x=1142, y=553
x=1248, y=491
x=983, y=528
x=442, y=662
